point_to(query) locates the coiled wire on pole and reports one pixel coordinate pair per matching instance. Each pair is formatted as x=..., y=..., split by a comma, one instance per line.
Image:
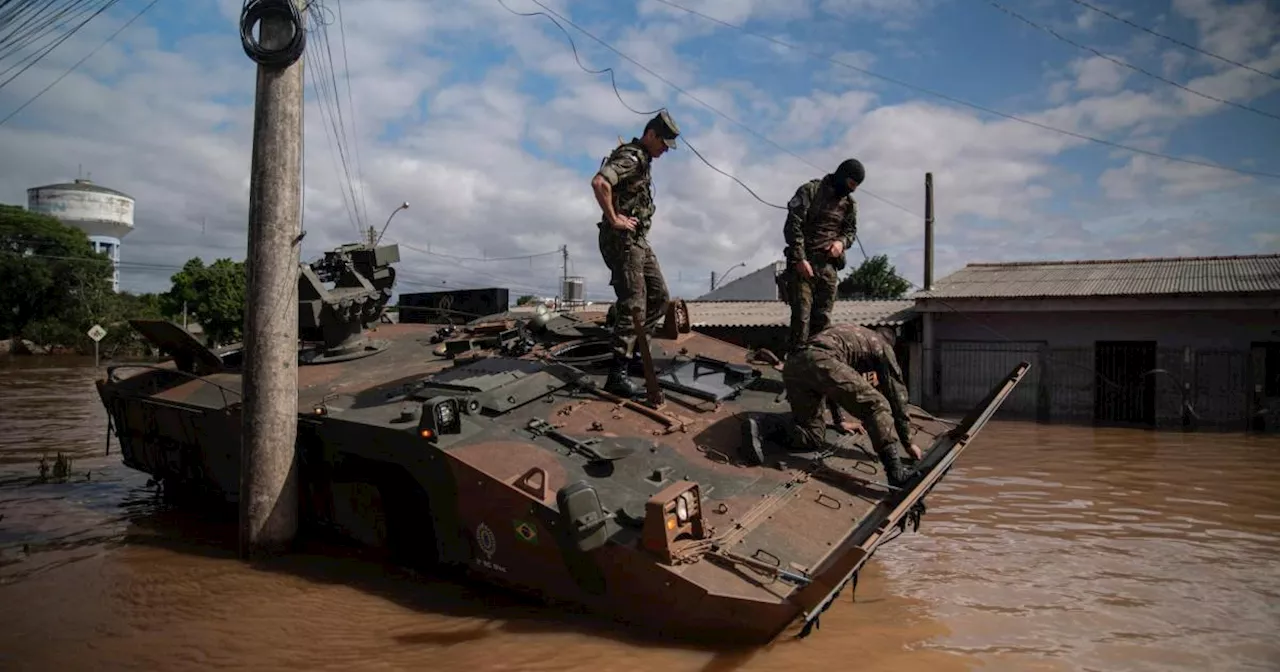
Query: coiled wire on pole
x=253, y=12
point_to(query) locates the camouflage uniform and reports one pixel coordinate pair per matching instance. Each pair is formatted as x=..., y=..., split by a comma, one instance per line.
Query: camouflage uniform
x=831, y=365
x=817, y=215
x=634, y=272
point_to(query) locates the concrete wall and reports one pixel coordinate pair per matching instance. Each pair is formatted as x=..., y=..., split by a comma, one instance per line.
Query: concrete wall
x=1228, y=329
x=760, y=285
x=1209, y=375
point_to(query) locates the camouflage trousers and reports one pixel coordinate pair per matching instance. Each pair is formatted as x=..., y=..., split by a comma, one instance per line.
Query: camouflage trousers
x=811, y=301
x=813, y=374
x=637, y=282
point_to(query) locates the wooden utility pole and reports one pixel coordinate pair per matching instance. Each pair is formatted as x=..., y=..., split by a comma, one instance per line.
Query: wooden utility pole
x=268, y=469
x=928, y=231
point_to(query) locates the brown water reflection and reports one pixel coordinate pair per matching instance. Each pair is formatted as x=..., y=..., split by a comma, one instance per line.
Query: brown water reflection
x=1046, y=548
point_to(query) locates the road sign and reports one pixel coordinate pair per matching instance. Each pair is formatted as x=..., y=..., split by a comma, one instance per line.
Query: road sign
x=96, y=332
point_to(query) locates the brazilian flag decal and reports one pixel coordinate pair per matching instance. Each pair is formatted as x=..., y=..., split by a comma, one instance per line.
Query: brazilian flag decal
x=526, y=532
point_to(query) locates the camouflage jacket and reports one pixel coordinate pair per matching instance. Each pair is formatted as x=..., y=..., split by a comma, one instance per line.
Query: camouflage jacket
x=864, y=351
x=626, y=169
x=815, y=218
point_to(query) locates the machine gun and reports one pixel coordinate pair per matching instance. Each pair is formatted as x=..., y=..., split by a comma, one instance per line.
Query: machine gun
x=335, y=317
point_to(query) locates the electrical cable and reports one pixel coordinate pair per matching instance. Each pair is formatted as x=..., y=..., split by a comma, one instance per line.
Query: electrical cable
x=681, y=90
x=975, y=106
x=346, y=72
x=79, y=62
x=1174, y=40
x=519, y=257
x=361, y=216
x=512, y=283
x=255, y=10
x=40, y=55
x=1119, y=62
x=37, y=26
x=325, y=99
x=718, y=112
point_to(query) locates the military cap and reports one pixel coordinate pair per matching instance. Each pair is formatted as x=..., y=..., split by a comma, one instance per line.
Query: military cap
x=665, y=127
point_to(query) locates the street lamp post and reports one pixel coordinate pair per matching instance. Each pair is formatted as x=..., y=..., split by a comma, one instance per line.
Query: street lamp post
x=726, y=272
x=372, y=241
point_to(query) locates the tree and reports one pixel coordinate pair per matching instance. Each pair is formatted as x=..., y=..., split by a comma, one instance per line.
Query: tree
x=874, y=279
x=527, y=298
x=55, y=285
x=214, y=296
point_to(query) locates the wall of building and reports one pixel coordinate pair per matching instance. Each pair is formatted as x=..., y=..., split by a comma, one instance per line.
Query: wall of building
x=1202, y=329
x=759, y=285
x=1208, y=374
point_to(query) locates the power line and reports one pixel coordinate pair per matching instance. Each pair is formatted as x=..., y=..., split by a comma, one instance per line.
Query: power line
x=614, y=82
x=40, y=55
x=689, y=95
x=83, y=59
x=966, y=103
x=346, y=72
x=36, y=26
x=511, y=282
x=1174, y=40
x=327, y=93
x=1125, y=64
x=362, y=217
x=520, y=257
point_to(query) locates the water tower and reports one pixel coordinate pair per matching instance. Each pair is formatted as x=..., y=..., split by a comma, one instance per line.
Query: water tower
x=105, y=215
x=573, y=292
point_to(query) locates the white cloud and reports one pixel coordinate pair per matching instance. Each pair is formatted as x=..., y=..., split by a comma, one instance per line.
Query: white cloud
x=1231, y=30
x=1143, y=176
x=1099, y=75
x=491, y=170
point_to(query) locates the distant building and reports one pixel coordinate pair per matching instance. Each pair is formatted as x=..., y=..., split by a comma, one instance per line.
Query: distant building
x=105, y=215
x=760, y=285
x=1170, y=342
x=765, y=324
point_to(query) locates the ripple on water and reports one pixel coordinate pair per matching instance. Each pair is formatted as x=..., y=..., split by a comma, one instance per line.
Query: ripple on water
x=1045, y=548
x=1133, y=577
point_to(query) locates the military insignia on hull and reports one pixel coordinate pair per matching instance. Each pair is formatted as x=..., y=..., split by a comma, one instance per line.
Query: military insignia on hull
x=526, y=532
x=484, y=537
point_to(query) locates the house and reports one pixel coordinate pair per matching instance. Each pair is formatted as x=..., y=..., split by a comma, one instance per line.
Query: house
x=1162, y=342
x=764, y=324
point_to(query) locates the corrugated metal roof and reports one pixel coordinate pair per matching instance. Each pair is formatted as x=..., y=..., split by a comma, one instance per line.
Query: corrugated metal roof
x=778, y=313
x=1119, y=277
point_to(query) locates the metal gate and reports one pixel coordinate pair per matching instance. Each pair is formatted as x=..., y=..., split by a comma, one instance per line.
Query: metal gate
x=1221, y=398
x=968, y=369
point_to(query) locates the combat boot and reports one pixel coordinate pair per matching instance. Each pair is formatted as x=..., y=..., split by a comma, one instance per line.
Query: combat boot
x=619, y=381
x=894, y=471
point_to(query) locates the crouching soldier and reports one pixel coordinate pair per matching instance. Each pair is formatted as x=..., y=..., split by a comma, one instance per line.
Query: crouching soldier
x=835, y=365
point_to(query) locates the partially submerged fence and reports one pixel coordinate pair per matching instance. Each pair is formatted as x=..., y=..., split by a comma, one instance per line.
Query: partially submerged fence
x=1162, y=387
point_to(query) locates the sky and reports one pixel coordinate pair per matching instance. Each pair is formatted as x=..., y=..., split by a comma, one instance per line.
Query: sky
x=484, y=123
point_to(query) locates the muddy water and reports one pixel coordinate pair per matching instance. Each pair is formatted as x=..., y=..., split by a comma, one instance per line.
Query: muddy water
x=1046, y=548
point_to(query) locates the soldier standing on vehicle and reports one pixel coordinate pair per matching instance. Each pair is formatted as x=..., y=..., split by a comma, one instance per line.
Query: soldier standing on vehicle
x=836, y=364
x=822, y=221
x=624, y=190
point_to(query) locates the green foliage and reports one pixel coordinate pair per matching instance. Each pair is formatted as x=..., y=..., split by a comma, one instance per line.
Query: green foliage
x=874, y=279
x=55, y=285
x=527, y=298
x=214, y=296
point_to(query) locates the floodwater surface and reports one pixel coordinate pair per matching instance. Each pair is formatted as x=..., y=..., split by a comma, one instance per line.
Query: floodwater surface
x=1046, y=548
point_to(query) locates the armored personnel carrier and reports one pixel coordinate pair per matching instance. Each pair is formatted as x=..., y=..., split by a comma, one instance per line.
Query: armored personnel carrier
x=491, y=446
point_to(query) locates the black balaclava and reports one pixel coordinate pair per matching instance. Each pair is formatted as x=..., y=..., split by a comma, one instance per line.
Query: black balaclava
x=849, y=169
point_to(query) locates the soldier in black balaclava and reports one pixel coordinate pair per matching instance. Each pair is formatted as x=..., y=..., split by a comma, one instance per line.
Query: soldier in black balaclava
x=822, y=220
